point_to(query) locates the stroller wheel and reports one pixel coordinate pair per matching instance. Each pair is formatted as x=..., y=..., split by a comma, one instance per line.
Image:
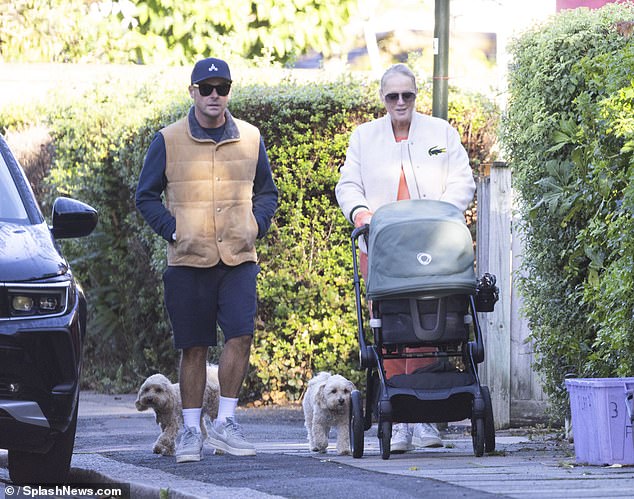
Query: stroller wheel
x=356, y=424
x=477, y=436
x=489, y=424
x=385, y=436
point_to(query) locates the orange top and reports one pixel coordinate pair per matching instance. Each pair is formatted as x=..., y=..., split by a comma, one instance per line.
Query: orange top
x=403, y=191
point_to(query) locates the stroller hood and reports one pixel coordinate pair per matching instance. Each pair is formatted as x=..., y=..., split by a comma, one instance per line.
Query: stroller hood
x=419, y=247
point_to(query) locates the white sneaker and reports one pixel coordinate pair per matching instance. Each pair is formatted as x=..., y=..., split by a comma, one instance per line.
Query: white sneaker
x=228, y=437
x=426, y=435
x=190, y=445
x=401, y=438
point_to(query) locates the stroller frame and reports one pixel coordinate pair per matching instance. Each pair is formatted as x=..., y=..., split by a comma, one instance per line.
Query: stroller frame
x=435, y=396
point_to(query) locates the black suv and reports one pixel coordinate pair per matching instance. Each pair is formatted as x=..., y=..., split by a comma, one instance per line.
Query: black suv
x=42, y=326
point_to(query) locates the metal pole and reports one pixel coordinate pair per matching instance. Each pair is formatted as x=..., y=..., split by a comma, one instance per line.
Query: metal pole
x=441, y=59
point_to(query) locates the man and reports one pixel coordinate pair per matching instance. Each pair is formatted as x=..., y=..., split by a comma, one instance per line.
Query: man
x=219, y=197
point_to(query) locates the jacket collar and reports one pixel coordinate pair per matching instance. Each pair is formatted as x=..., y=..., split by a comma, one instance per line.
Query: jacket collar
x=231, y=131
x=416, y=119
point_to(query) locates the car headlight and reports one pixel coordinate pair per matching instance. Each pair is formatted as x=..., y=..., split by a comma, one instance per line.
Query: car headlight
x=38, y=300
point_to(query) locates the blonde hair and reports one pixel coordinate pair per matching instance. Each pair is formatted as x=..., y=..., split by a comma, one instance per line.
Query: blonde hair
x=399, y=68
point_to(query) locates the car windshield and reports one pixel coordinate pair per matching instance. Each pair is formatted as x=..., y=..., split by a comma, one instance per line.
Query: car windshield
x=11, y=206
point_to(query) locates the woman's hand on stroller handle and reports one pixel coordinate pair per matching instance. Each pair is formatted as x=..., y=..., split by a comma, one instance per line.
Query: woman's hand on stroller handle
x=362, y=217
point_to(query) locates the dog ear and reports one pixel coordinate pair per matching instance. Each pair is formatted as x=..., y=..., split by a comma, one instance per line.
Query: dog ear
x=320, y=398
x=171, y=397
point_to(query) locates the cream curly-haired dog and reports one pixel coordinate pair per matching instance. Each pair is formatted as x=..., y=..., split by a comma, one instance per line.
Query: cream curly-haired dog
x=326, y=405
x=159, y=393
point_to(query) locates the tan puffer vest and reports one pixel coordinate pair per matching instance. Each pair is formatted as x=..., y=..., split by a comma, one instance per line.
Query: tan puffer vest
x=209, y=191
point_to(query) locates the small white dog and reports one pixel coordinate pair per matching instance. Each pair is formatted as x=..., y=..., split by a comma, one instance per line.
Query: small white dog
x=327, y=404
x=159, y=393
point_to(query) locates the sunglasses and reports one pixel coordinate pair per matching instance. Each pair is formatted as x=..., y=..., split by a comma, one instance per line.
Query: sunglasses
x=205, y=89
x=406, y=96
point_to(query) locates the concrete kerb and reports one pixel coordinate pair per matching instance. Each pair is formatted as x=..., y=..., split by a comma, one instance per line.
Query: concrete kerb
x=144, y=483
x=93, y=468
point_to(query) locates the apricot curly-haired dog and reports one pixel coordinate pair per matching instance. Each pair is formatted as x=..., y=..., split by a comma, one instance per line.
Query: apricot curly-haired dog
x=326, y=405
x=164, y=397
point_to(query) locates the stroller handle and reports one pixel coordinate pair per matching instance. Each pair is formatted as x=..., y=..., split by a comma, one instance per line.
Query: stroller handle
x=366, y=357
x=359, y=231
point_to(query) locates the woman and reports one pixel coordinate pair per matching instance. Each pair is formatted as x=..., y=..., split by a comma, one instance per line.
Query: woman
x=403, y=155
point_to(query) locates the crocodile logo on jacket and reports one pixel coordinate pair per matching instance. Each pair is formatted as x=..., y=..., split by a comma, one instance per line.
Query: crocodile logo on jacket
x=436, y=150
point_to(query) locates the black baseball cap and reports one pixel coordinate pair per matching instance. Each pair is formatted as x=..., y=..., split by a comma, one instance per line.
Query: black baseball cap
x=210, y=68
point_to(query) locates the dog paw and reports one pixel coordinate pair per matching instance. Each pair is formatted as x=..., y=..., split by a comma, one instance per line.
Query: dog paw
x=321, y=450
x=345, y=452
x=163, y=451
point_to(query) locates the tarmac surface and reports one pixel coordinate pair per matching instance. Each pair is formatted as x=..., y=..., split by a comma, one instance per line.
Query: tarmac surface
x=114, y=446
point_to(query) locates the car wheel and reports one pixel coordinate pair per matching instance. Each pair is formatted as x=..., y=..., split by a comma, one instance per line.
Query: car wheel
x=49, y=467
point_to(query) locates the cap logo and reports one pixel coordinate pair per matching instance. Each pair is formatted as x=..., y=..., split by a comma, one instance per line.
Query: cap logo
x=213, y=67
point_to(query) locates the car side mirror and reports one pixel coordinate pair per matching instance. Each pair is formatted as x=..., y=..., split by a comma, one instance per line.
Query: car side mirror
x=72, y=218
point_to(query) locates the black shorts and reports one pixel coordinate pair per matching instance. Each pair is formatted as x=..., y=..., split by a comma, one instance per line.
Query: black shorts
x=198, y=299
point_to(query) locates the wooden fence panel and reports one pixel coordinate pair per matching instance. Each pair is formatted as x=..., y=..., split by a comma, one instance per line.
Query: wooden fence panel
x=516, y=390
x=494, y=256
x=528, y=401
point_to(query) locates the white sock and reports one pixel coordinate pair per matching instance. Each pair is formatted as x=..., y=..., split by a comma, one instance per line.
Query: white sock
x=226, y=409
x=191, y=417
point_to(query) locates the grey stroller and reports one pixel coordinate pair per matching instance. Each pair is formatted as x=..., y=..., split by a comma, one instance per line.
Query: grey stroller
x=423, y=292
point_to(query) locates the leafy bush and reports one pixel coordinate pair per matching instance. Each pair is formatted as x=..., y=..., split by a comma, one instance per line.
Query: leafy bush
x=306, y=319
x=568, y=133
x=160, y=31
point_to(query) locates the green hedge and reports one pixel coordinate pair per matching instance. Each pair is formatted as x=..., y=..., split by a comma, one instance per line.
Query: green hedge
x=569, y=135
x=306, y=318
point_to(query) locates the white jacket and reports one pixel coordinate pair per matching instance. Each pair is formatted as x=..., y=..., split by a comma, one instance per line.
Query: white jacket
x=435, y=163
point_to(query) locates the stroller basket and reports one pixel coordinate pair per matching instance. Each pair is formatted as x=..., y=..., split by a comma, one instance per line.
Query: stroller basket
x=419, y=247
x=412, y=321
